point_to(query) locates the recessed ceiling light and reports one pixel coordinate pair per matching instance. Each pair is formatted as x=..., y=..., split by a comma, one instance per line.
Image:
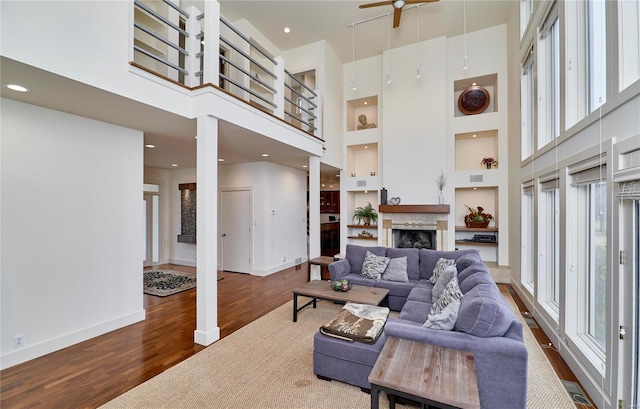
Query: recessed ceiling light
x=330, y=185
x=149, y=146
x=475, y=188
x=287, y=30
x=174, y=164
x=305, y=166
x=265, y=155
x=474, y=84
x=196, y=137
x=16, y=87
x=474, y=135
x=366, y=147
x=365, y=102
x=337, y=176
x=323, y=185
x=220, y=159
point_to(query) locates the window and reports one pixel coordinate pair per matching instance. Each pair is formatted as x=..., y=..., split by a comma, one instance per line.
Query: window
x=591, y=217
x=549, y=79
x=526, y=7
x=549, y=243
x=628, y=44
x=527, y=105
x=597, y=53
x=527, y=266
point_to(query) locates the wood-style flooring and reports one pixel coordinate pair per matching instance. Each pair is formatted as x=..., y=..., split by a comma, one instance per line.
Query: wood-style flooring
x=91, y=373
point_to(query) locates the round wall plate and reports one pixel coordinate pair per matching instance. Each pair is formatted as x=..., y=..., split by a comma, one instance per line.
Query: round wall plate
x=473, y=100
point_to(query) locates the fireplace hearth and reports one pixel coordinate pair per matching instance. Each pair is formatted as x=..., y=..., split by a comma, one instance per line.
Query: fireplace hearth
x=410, y=238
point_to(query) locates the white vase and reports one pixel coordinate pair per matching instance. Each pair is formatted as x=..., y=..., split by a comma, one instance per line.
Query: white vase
x=441, y=198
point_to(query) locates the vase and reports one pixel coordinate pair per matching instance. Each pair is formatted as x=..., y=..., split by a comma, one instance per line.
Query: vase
x=488, y=166
x=477, y=225
x=441, y=198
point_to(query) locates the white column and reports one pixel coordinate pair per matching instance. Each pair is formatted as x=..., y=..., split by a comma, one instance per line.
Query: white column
x=314, y=212
x=207, y=330
x=211, y=29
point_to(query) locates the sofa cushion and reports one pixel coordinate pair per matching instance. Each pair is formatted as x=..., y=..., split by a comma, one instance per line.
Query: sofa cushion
x=396, y=288
x=468, y=259
x=396, y=270
x=373, y=266
x=484, y=312
x=477, y=278
x=358, y=279
x=443, y=279
x=413, y=260
x=415, y=311
x=441, y=265
x=355, y=255
x=421, y=293
x=429, y=258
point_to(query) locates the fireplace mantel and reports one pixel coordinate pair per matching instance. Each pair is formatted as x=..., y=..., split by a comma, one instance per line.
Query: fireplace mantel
x=436, y=208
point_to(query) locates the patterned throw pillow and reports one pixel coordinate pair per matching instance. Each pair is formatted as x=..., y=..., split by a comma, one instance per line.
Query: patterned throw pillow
x=445, y=276
x=396, y=270
x=450, y=293
x=439, y=268
x=373, y=266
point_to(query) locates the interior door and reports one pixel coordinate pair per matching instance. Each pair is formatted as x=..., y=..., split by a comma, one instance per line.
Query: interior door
x=237, y=232
x=147, y=245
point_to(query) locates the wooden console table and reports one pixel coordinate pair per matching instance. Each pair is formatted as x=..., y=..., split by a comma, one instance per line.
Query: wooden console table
x=435, y=376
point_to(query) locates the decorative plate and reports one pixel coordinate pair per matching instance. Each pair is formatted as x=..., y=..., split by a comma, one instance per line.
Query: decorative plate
x=473, y=100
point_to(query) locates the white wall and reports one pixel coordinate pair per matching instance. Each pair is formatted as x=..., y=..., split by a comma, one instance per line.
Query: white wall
x=275, y=189
x=72, y=229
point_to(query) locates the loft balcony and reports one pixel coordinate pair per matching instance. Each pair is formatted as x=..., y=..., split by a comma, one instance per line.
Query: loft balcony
x=198, y=49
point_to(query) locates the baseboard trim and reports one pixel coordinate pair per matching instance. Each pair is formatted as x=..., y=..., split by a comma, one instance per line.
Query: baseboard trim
x=206, y=338
x=30, y=352
x=178, y=262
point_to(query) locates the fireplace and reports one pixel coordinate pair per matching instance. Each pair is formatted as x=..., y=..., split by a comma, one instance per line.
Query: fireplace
x=414, y=238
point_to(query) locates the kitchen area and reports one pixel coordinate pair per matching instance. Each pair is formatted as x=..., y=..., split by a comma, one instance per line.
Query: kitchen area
x=329, y=223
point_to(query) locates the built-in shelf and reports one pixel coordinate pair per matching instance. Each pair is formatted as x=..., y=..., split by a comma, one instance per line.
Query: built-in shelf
x=367, y=106
x=362, y=238
x=439, y=208
x=363, y=226
x=477, y=243
x=477, y=229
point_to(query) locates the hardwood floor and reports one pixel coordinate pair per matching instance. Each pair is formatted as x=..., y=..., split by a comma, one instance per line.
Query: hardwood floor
x=93, y=372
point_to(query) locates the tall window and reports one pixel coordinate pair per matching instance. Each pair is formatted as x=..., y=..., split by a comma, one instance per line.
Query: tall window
x=591, y=217
x=597, y=53
x=549, y=242
x=628, y=44
x=526, y=7
x=527, y=105
x=527, y=227
x=549, y=79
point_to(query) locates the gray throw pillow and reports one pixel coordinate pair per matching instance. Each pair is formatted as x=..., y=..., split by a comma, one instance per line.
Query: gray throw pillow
x=373, y=266
x=446, y=319
x=443, y=279
x=396, y=270
x=441, y=264
x=450, y=293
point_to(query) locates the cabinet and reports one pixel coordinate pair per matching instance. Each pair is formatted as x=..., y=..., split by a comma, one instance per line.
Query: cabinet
x=330, y=238
x=330, y=202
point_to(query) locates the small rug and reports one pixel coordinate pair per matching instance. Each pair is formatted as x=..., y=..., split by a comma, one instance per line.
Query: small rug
x=167, y=282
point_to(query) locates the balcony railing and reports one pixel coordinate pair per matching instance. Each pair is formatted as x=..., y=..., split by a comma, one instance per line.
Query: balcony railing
x=170, y=42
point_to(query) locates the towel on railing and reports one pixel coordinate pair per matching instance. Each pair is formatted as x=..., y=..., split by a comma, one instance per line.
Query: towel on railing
x=357, y=322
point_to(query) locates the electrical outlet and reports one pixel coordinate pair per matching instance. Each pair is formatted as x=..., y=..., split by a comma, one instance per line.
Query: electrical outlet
x=18, y=341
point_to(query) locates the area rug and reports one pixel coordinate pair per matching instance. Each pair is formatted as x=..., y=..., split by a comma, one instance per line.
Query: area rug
x=166, y=282
x=269, y=364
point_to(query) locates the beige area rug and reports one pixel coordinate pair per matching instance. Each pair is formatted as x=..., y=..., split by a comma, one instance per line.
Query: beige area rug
x=269, y=364
x=544, y=388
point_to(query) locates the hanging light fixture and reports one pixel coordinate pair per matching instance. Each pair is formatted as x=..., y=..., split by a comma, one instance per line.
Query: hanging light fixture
x=418, y=69
x=389, y=77
x=354, y=85
x=465, y=63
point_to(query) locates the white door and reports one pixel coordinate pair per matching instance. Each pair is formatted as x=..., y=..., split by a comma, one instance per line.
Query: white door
x=151, y=254
x=237, y=234
x=147, y=209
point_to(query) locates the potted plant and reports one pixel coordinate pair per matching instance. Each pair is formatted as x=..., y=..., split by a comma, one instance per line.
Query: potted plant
x=365, y=213
x=477, y=217
x=489, y=162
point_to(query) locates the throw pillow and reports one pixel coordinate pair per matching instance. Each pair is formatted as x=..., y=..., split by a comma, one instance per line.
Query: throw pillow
x=373, y=266
x=443, y=279
x=446, y=319
x=441, y=264
x=396, y=270
x=451, y=292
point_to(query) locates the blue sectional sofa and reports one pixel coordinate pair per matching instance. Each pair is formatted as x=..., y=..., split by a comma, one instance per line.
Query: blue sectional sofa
x=486, y=326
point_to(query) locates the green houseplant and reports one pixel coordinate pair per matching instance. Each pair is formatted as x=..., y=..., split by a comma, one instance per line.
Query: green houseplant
x=365, y=213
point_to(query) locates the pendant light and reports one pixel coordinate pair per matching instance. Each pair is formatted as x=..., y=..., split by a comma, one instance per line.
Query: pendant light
x=389, y=77
x=465, y=63
x=418, y=69
x=354, y=85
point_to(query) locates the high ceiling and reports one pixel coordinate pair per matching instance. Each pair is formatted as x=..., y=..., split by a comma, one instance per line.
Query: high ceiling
x=309, y=21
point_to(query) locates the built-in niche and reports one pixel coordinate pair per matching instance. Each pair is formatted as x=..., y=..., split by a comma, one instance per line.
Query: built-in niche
x=471, y=87
x=187, y=213
x=362, y=160
x=476, y=150
x=356, y=108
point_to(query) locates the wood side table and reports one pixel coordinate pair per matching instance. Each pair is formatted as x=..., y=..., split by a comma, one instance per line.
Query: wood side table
x=436, y=376
x=323, y=262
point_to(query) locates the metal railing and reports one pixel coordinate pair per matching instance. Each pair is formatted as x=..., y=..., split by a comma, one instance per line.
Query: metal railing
x=300, y=108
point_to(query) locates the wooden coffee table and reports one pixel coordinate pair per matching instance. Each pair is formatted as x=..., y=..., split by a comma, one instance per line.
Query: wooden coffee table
x=322, y=290
x=436, y=376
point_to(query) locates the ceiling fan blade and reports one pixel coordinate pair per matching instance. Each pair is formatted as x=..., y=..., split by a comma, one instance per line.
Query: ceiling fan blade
x=419, y=1
x=380, y=3
x=396, y=17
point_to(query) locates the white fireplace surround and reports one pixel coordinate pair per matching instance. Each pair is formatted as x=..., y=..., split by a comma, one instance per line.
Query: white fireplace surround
x=415, y=221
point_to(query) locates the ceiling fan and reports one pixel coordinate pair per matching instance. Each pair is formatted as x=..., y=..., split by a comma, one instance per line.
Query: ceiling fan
x=397, y=7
